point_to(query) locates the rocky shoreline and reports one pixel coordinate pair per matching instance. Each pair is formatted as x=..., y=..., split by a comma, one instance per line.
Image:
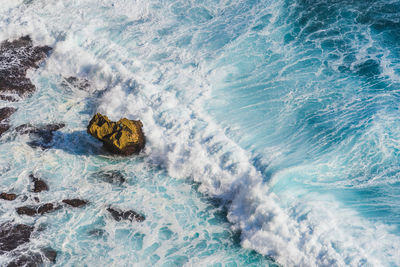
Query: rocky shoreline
x=124, y=137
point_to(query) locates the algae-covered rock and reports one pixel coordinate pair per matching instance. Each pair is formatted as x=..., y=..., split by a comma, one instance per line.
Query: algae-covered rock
x=122, y=137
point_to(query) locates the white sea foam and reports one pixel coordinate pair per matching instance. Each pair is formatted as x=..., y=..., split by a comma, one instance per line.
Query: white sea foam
x=129, y=49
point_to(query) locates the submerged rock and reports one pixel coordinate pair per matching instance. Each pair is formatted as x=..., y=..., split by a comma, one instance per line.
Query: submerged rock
x=43, y=135
x=8, y=196
x=50, y=254
x=35, y=210
x=43, y=129
x=112, y=177
x=75, y=202
x=5, y=113
x=38, y=184
x=123, y=137
x=14, y=235
x=97, y=232
x=16, y=57
x=80, y=83
x=130, y=215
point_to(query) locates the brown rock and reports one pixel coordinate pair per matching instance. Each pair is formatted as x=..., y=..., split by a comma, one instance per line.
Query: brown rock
x=75, y=202
x=7, y=196
x=38, y=184
x=35, y=210
x=45, y=208
x=30, y=211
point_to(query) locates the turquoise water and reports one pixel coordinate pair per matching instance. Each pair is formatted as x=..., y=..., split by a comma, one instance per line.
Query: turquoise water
x=272, y=129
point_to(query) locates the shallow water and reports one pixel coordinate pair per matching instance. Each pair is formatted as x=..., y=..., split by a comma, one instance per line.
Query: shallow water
x=271, y=127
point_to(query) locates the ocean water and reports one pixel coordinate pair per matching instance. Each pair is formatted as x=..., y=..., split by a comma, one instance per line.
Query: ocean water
x=272, y=131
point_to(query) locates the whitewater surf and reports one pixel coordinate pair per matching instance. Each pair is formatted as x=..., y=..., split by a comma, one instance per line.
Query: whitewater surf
x=272, y=133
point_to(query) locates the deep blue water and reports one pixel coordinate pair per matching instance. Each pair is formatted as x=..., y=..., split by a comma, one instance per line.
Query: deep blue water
x=272, y=128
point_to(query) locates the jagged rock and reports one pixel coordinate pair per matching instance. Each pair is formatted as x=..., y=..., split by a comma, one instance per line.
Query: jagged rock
x=38, y=184
x=16, y=57
x=5, y=113
x=75, y=202
x=44, y=134
x=7, y=196
x=35, y=210
x=123, y=137
x=130, y=215
x=13, y=235
x=112, y=177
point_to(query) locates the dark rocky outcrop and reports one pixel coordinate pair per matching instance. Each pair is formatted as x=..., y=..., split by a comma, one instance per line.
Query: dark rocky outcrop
x=130, y=215
x=124, y=137
x=5, y=113
x=38, y=184
x=16, y=57
x=43, y=135
x=27, y=260
x=112, y=177
x=13, y=235
x=8, y=196
x=75, y=202
x=36, y=210
x=34, y=259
